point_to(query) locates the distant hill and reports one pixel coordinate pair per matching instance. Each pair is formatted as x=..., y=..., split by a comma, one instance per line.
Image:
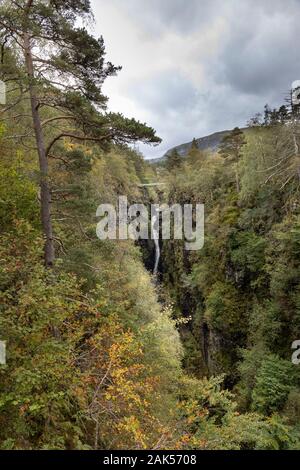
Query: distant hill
x=210, y=142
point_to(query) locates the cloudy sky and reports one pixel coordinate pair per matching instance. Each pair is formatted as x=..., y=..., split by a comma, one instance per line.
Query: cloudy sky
x=193, y=67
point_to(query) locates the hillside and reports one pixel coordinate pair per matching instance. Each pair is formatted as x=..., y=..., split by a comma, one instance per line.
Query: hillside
x=209, y=142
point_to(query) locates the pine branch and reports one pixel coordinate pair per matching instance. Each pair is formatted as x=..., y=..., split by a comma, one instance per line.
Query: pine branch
x=77, y=137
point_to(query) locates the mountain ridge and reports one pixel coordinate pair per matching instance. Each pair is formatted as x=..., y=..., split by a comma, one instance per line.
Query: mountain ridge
x=209, y=142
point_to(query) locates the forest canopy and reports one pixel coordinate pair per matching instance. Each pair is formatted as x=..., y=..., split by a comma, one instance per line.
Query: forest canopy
x=101, y=354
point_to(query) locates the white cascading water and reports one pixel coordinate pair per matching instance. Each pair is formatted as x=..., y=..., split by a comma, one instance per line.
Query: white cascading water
x=155, y=235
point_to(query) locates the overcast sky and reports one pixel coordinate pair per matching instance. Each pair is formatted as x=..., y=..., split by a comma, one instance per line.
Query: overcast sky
x=193, y=67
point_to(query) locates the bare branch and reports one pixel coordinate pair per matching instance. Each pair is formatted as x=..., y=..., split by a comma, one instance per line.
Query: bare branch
x=58, y=118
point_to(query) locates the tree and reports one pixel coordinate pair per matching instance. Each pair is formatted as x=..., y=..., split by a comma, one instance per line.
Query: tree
x=255, y=121
x=270, y=116
x=274, y=381
x=276, y=116
x=283, y=114
x=174, y=160
x=231, y=147
x=61, y=68
x=194, y=145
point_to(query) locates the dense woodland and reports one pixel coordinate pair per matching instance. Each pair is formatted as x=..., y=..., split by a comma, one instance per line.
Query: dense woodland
x=100, y=355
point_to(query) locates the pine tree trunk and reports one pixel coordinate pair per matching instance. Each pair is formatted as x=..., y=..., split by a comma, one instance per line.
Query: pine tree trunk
x=43, y=161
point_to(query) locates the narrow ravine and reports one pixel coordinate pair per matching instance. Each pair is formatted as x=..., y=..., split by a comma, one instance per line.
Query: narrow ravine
x=155, y=235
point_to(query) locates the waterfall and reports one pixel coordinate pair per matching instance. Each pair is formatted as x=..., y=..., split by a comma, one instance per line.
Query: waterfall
x=155, y=235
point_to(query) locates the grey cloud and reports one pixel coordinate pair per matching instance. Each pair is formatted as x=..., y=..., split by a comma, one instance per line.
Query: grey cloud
x=168, y=92
x=256, y=59
x=262, y=56
x=178, y=15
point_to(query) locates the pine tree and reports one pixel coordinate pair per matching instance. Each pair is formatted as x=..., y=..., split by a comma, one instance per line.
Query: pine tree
x=194, y=145
x=274, y=381
x=231, y=147
x=61, y=68
x=173, y=160
x=283, y=114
